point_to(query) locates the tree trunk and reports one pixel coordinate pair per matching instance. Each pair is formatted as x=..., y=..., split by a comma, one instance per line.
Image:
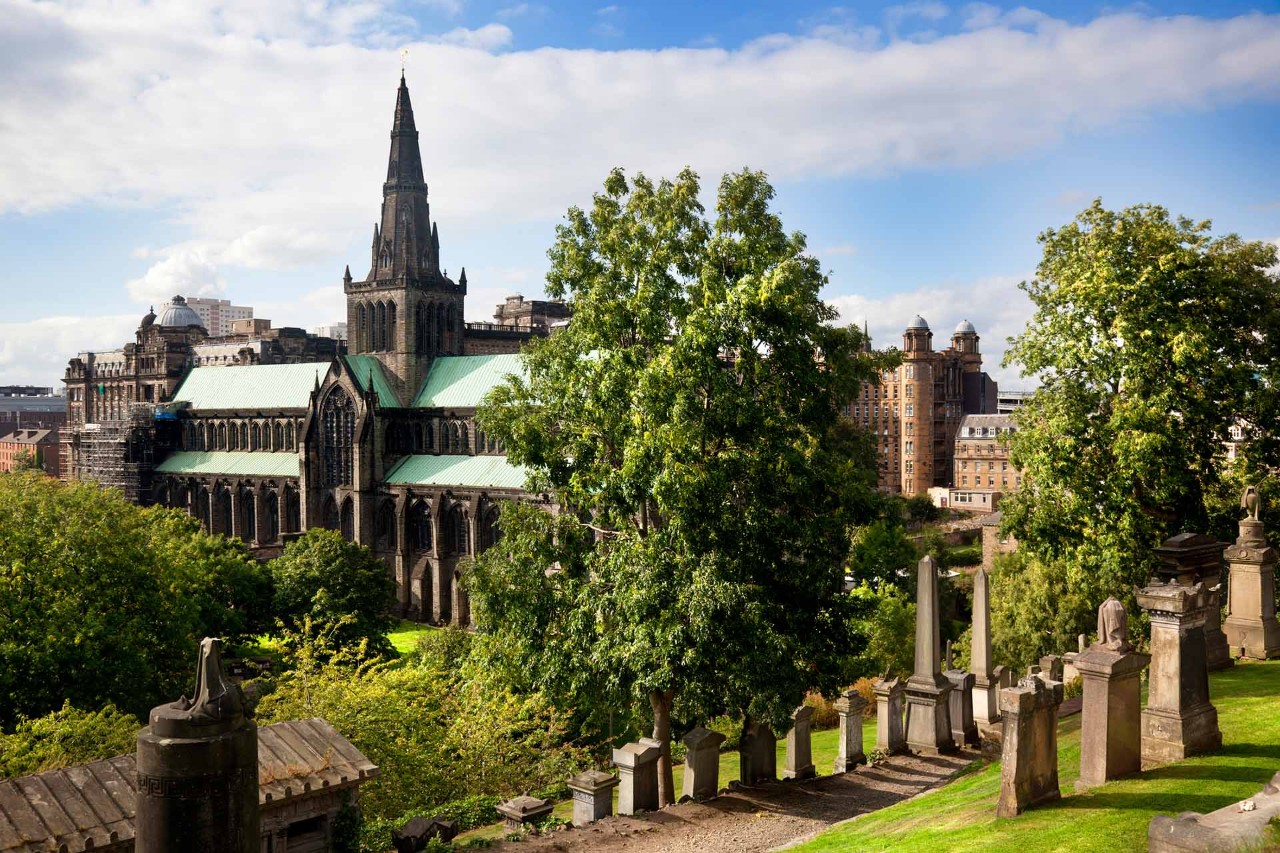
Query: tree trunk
x=660, y=702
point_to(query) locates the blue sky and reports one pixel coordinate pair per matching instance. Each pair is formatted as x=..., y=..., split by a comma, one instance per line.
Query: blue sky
x=234, y=148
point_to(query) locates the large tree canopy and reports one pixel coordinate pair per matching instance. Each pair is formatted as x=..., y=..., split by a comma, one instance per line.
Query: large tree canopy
x=1151, y=337
x=687, y=424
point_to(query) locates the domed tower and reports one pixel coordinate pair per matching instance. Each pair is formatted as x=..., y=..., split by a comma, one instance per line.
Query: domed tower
x=964, y=340
x=917, y=337
x=178, y=315
x=916, y=439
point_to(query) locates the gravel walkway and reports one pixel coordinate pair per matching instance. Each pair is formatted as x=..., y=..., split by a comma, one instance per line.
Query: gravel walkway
x=756, y=820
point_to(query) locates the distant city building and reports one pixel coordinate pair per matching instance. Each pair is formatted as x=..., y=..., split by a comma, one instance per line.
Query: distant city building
x=39, y=447
x=337, y=331
x=20, y=408
x=915, y=411
x=25, y=391
x=1007, y=402
x=983, y=473
x=216, y=315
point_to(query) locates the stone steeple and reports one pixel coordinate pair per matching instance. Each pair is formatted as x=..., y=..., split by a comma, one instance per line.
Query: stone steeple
x=403, y=240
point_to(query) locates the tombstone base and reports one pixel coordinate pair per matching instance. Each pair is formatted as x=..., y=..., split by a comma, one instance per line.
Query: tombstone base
x=1110, y=728
x=986, y=702
x=1167, y=737
x=1259, y=638
x=809, y=771
x=928, y=717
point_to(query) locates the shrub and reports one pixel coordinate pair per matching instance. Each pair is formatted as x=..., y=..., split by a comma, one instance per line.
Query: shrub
x=731, y=728
x=825, y=715
x=66, y=738
x=888, y=625
x=867, y=690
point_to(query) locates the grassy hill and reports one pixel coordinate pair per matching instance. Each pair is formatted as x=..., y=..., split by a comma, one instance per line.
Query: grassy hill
x=961, y=816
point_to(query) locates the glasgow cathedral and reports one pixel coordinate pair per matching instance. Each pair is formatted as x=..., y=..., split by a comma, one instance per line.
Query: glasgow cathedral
x=262, y=436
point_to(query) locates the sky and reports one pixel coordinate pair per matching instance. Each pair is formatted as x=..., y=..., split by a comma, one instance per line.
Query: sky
x=236, y=149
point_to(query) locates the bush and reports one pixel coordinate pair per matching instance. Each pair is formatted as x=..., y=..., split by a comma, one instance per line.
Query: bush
x=888, y=626
x=66, y=738
x=731, y=728
x=866, y=688
x=825, y=715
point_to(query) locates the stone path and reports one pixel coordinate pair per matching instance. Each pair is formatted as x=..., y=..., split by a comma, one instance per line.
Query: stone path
x=760, y=819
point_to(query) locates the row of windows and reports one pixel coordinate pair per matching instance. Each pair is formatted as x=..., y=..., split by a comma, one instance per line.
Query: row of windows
x=991, y=465
x=991, y=481
x=270, y=435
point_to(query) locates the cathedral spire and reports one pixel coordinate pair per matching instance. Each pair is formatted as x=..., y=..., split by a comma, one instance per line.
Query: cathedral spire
x=405, y=226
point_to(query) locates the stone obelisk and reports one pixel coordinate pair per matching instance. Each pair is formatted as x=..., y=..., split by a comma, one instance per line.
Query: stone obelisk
x=928, y=717
x=986, y=687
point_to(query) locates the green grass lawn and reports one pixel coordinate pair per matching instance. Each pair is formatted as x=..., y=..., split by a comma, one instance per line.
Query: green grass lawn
x=961, y=815
x=405, y=635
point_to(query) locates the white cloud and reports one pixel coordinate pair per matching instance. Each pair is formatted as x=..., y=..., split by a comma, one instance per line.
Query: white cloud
x=608, y=10
x=845, y=250
x=186, y=271
x=488, y=37
x=995, y=306
x=37, y=352
x=521, y=10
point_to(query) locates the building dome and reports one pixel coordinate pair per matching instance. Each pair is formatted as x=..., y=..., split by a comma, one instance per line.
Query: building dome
x=149, y=317
x=965, y=328
x=917, y=322
x=178, y=313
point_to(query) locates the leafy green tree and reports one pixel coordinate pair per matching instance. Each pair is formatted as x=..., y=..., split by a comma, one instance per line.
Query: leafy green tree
x=882, y=554
x=25, y=460
x=1150, y=336
x=335, y=583
x=103, y=601
x=687, y=424
x=65, y=738
x=887, y=621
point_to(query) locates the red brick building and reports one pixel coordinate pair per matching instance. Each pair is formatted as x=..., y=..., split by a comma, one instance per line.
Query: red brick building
x=38, y=445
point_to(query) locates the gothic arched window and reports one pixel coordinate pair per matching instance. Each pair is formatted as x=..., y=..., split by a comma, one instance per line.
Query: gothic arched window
x=222, y=436
x=489, y=532
x=455, y=530
x=379, y=327
x=288, y=437
x=337, y=435
x=360, y=338
x=255, y=437
x=278, y=432
x=420, y=526
x=389, y=343
x=244, y=436
x=348, y=520
x=384, y=526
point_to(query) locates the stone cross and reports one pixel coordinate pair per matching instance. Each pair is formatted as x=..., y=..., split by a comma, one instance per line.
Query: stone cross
x=928, y=715
x=986, y=685
x=701, y=764
x=799, y=745
x=1110, y=731
x=1029, y=753
x=849, y=752
x=1251, y=625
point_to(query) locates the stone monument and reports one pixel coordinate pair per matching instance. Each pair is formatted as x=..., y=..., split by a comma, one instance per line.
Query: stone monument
x=1110, y=730
x=800, y=745
x=519, y=811
x=964, y=730
x=757, y=754
x=1179, y=720
x=1029, y=753
x=637, y=777
x=1242, y=826
x=889, y=737
x=986, y=684
x=1191, y=558
x=1251, y=627
x=593, y=795
x=928, y=713
x=849, y=752
x=701, y=764
x=198, y=769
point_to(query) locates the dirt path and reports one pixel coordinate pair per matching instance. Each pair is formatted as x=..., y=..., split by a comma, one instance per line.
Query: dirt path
x=756, y=820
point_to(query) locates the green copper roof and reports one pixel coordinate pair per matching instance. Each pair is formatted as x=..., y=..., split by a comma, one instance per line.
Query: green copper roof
x=233, y=464
x=361, y=367
x=462, y=381
x=493, y=472
x=257, y=387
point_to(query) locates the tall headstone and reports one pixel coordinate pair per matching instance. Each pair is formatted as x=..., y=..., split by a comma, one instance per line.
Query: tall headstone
x=986, y=684
x=198, y=769
x=964, y=730
x=1191, y=558
x=1179, y=720
x=800, y=745
x=701, y=763
x=928, y=712
x=849, y=752
x=1251, y=625
x=757, y=754
x=1110, y=729
x=638, y=777
x=889, y=736
x=592, y=796
x=1029, y=752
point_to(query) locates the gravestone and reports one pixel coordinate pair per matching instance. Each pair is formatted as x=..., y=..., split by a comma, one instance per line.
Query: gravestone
x=1029, y=752
x=757, y=754
x=637, y=777
x=928, y=712
x=1251, y=627
x=800, y=745
x=1110, y=727
x=1003, y=676
x=964, y=730
x=197, y=764
x=1191, y=558
x=849, y=752
x=523, y=810
x=701, y=763
x=593, y=795
x=889, y=735
x=1179, y=720
x=1051, y=668
x=1244, y=826
x=986, y=683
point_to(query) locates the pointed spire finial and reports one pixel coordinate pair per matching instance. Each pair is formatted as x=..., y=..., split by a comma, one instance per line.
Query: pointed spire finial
x=404, y=54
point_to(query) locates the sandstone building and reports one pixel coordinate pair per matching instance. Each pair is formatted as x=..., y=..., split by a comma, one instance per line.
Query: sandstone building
x=379, y=442
x=983, y=472
x=914, y=412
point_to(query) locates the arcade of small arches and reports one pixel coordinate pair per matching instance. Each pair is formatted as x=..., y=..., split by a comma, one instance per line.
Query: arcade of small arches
x=242, y=434
x=262, y=512
x=438, y=327
x=443, y=435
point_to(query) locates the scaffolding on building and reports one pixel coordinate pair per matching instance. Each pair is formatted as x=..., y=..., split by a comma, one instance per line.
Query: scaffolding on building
x=118, y=454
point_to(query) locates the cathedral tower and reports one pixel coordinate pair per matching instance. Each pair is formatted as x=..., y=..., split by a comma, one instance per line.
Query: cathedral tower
x=406, y=311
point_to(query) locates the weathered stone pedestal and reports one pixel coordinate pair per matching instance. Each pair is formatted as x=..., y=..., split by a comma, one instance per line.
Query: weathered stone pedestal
x=849, y=752
x=986, y=684
x=1110, y=730
x=800, y=746
x=928, y=692
x=701, y=764
x=1191, y=558
x=592, y=795
x=757, y=754
x=198, y=770
x=964, y=731
x=638, y=777
x=520, y=811
x=1179, y=720
x=1029, y=752
x=1251, y=625
x=889, y=736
